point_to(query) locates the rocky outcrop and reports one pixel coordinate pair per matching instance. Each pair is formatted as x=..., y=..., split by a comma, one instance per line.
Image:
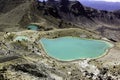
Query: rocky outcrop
x=30, y=69
x=112, y=34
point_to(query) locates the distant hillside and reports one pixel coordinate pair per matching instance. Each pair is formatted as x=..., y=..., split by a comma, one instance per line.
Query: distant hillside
x=56, y=15
x=102, y=5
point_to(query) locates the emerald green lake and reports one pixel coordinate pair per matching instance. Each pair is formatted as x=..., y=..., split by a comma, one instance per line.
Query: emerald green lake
x=71, y=48
x=33, y=27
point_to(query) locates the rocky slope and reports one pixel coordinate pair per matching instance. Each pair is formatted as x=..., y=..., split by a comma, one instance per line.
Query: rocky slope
x=26, y=59
x=104, y=22
x=16, y=15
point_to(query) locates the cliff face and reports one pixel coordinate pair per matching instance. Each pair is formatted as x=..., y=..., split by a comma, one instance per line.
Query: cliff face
x=20, y=13
x=73, y=12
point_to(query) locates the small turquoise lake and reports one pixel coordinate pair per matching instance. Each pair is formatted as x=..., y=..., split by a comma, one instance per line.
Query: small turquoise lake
x=33, y=27
x=72, y=48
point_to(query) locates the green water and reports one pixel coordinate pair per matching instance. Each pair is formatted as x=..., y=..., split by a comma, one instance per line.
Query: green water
x=20, y=38
x=69, y=48
x=33, y=27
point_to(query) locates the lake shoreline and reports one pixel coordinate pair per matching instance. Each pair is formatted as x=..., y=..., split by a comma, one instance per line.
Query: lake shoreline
x=71, y=60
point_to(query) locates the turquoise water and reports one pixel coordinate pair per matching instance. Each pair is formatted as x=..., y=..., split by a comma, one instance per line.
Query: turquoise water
x=20, y=38
x=69, y=48
x=33, y=27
